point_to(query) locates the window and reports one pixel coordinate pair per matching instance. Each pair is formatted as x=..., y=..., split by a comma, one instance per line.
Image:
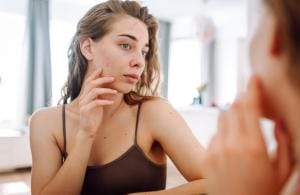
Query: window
x=12, y=21
x=184, y=71
x=188, y=55
x=61, y=33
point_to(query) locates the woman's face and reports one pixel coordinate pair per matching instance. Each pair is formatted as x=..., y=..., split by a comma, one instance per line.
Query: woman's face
x=122, y=53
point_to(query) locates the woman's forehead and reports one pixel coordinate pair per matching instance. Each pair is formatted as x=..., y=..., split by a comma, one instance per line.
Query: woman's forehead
x=132, y=27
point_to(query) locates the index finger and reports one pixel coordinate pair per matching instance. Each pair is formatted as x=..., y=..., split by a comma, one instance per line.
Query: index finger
x=94, y=75
x=253, y=106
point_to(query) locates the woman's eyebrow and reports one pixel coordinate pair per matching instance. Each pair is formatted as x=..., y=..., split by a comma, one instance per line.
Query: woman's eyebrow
x=132, y=38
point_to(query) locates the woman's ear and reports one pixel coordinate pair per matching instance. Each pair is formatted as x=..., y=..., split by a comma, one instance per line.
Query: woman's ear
x=86, y=48
x=276, y=41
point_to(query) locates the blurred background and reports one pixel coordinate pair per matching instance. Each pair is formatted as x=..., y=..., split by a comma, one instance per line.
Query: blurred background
x=203, y=52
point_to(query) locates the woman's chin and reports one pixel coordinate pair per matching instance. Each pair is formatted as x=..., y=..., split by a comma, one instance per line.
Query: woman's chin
x=123, y=89
x=120, y=87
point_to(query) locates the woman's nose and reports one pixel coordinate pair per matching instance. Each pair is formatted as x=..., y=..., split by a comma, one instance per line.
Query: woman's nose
x=138, y=60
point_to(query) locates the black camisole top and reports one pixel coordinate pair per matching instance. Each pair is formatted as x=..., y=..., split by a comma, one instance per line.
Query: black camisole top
x=132, y=172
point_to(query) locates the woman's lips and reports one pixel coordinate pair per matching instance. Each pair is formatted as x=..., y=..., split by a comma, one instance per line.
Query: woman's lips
x=131, y=78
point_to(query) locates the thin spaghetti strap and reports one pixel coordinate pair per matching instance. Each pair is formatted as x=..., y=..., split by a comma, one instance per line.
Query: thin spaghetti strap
x=137, y=122
x=64, y=131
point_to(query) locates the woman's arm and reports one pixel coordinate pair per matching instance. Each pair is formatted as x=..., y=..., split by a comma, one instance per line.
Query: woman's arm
x=179, y=143
x=48, y=176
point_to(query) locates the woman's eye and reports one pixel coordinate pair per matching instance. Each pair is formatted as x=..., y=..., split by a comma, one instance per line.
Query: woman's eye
x=125, y=46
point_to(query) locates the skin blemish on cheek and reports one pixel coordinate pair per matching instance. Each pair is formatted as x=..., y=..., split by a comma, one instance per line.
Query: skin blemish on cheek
x=107, y=65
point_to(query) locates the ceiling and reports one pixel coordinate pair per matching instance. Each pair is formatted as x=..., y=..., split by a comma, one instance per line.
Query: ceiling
x=170, y=9
x=163, y=9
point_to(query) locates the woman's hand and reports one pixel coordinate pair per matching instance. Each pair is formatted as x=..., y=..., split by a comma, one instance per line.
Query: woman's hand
x=91, y=102
x=237, y=162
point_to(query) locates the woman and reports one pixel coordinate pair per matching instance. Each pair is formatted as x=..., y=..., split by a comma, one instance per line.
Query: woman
x=238, y=160
x=113, y=135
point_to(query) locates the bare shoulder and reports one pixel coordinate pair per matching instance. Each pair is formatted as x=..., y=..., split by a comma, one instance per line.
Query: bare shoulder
x=43, y=121
x=158, y=107
x=160, y=114
x=157, y=103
